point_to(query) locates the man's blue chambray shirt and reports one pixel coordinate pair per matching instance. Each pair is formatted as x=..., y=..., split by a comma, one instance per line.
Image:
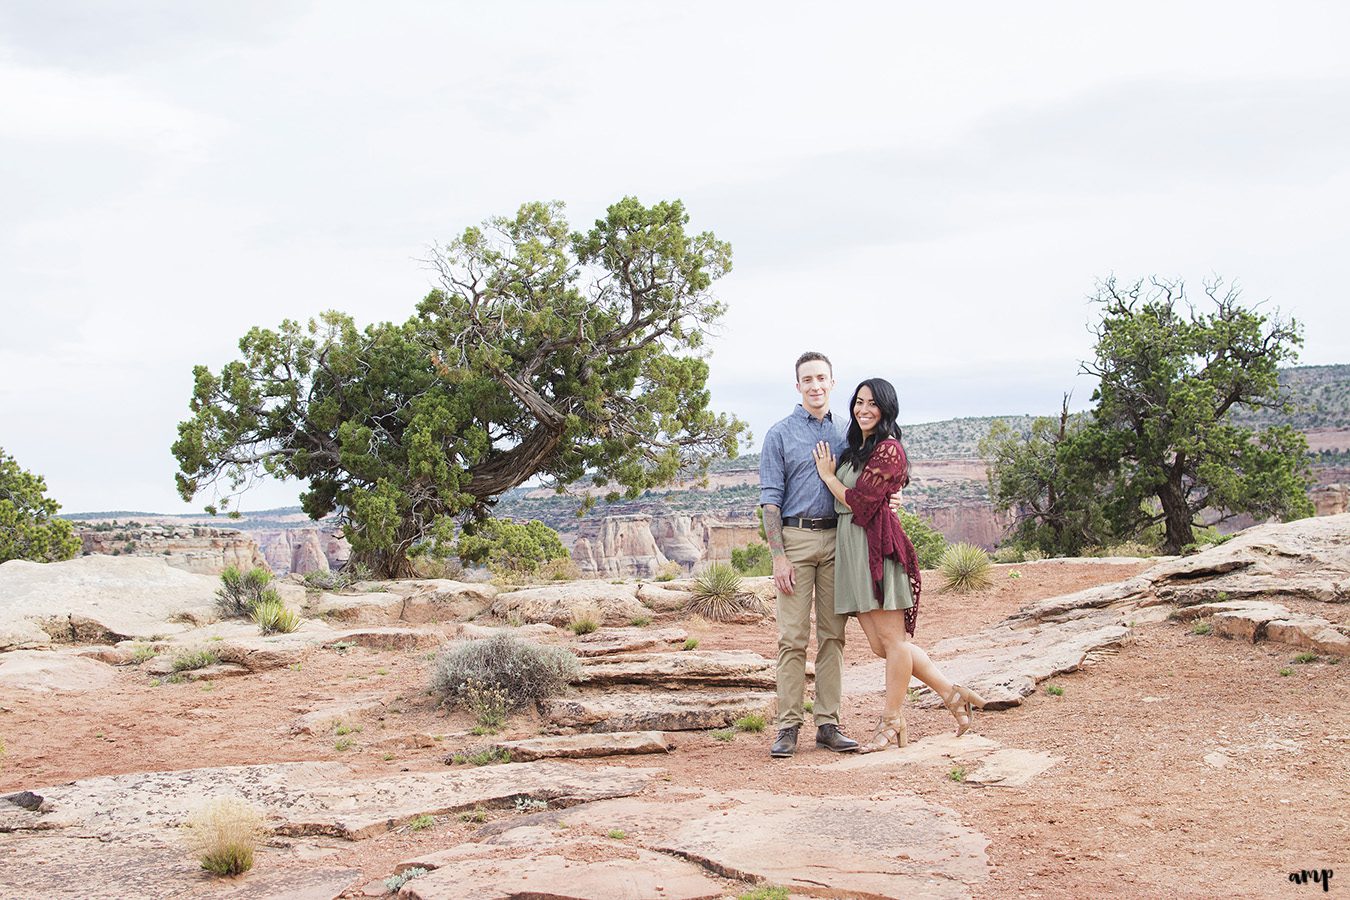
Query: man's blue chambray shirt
x=787, y=473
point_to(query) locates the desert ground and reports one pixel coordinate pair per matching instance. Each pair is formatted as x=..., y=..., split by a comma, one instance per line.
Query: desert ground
x=1179, y=764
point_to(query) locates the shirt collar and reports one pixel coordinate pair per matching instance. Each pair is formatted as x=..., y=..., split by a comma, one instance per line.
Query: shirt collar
x=801, y=413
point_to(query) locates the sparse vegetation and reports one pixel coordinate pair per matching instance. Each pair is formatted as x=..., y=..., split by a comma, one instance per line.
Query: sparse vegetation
x=526, y=672
x=223, y=835
x=809, y=705
x=1286, y=672
x=669, y=571
x=957, y=774
x=584, y=624
x=616, y=834
x=338, y=580
x=421, y=823
x=965, y=568
x=188, y=660
x=142, y=653
x=752, y=722
x=343, y=744
x=766, y=892
x=1201, y=627
x=1306, y=657
x=561, y=569
x=481, y=757
x=724, y=734
x=690, y=643
x=1054, y=690
x=530, y=805
x=477, y=815
x=489, y=702
x=395, y=883
x=640, y=621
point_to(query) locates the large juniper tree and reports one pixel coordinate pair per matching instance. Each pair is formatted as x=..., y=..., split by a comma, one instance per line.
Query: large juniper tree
x=541, y=352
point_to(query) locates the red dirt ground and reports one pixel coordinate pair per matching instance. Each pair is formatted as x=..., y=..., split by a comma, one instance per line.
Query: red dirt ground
x=1132, y=809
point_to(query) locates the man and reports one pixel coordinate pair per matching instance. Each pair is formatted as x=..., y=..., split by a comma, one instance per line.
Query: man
x=799, y=523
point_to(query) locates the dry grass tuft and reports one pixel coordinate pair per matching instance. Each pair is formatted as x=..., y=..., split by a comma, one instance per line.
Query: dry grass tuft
x=223, y=834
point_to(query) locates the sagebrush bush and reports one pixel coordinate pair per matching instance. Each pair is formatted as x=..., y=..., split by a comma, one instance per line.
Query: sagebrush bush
x=273, y=617
x=223, y=835
x=188, y=660
x=965, y=568
x=559, y=570
x=526, y=672
x=338, y=580
x=1008, y=555
x=717, y=593
x=241, y=591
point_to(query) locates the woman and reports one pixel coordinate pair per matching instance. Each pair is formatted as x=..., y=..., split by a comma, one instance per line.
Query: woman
x=876, y=568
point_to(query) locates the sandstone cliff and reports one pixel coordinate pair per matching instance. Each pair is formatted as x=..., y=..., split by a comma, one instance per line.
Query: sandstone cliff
x=198, y=549
x=304, y=550
x=617, y=546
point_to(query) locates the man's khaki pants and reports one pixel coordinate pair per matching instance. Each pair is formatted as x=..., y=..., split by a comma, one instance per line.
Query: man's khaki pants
x=812, y=556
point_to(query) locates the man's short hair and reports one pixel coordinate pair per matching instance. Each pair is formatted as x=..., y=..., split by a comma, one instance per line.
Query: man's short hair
x=811, y=356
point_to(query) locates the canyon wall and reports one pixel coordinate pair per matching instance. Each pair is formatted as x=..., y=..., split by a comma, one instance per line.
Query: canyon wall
x=200, y=549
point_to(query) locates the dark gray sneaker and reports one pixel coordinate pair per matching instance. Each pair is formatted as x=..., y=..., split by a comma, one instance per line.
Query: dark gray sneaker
x=786, y=743
x=831, y=738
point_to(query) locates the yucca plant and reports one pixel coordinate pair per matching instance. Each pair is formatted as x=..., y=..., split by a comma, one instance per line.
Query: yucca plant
x=965, y=568
x=717, y=593
x=241, y=591
x=273, y=617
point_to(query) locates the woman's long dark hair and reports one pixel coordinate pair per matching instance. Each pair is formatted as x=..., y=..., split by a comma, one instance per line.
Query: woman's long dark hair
x=860, y=451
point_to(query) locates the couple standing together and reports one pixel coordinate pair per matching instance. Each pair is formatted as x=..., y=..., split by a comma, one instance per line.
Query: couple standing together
x=829, y=488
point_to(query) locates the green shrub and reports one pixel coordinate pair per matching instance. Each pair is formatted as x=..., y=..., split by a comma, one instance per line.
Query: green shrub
x=188, y=660
x=753, y=559
x=338, y=580
x=507, y=548
x=223, y=835
x=273, y=617
x=669, y=572
x=421, y=823
x=766, y=892
x=583, y=624
x=1054, y=690
x=691, y=643
x=640, y=621
x=1004, y=555
x=929, y=544
x=717, y=593
x=752, y=722
x=241, y=591
x=142, y=653
x=1201, y=628
x=1033, y=555
x=965, y=568
x=525, y=672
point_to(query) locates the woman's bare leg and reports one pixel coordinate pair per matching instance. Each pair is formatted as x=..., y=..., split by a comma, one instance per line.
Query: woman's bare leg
x=886, y=627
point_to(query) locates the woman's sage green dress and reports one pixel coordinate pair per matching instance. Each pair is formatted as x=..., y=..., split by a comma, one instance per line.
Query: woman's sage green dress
x=853, y=591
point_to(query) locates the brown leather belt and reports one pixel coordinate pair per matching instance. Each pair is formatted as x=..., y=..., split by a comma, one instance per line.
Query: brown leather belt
x=813, y=524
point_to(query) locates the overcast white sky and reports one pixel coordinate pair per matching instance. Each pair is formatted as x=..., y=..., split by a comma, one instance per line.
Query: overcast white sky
x=924, y=193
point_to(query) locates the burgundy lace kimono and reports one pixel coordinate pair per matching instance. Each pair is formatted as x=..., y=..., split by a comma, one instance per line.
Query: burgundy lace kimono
x=885, y=473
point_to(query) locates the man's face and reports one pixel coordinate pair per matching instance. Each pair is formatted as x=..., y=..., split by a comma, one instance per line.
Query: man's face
x=815, y=383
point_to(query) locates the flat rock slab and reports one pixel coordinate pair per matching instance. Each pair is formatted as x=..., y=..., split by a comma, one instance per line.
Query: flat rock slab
x=892, y=846
x=375, y=608
x=99, y=599
x=561, y=604
x=310, y=798
x=580, y=746
x=1003, y=663
x=664, y=597
x=683, y=710
x=608, y=641
x=334, y=712
x=56, y=865
x=53, y=670
x=389, y=638
x=486, y=872
x=733, y=668
x=1256, y=620
x=471, y=631
x=985, y=761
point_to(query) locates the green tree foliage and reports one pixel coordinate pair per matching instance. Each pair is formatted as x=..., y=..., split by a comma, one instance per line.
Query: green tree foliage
x=1161, y=444
x=929, y=544
x=542, y=352
x=1051, y=493
x=29, y=528
x=504, y=546
x=752, y=559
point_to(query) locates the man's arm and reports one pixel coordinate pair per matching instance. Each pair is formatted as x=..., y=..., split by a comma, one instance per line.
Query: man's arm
x=784, y=577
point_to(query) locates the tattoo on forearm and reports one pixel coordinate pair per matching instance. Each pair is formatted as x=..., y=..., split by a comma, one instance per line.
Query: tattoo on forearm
x=773, y=529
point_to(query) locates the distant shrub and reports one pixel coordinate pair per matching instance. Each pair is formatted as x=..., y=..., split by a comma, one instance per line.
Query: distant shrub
x=526, y=672
x=241, y=591
x=194, y=659
x=223, y=835
x=752, y=560
x=561, y=569
x=429, y=566
x=1004, y=555
x=669, y=571
x=716, y=593
x=273, y=617
x=509, y=549
x=338, y=580
x=965, y=568
x=929, y=544
x=584, y=624
x=1033, y=555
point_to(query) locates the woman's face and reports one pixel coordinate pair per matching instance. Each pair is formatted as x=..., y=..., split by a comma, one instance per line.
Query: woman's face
x=865, y=411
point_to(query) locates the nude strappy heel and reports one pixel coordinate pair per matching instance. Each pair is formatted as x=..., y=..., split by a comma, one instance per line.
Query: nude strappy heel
x=960, y=702
x=889, y=731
